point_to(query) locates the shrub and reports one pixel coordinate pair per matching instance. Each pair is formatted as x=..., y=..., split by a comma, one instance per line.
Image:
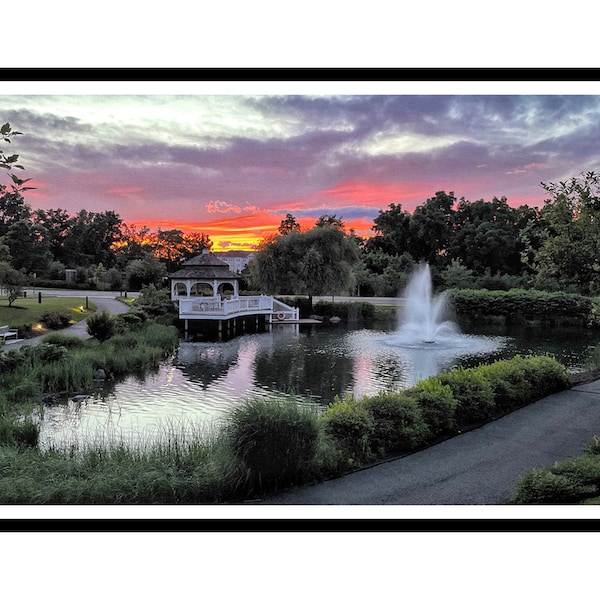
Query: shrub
x=56, y=320
x=437, y=404
x=473, y=392
x=510, y=385
x=276, y=441
x=64, y=340
x=535, y=304
x=351, y=426
x=565, y=483
x=546, y=374
x=398, y=423
x=101, y=326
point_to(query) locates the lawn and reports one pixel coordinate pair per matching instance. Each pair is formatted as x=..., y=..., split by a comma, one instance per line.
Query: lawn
x=28, y=311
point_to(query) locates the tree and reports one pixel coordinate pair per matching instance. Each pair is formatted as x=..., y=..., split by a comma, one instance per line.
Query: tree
x=316, y=262
x=12, y=209
x=330, y=221
x=9, y=162
x=57, y=224
x=28, y=246
x=431, y=227
x=145, y=271
x=391, y=229
x=12, y=281
x=569, y=251
x=288, y=225
x=92, y=238
x=487, y=236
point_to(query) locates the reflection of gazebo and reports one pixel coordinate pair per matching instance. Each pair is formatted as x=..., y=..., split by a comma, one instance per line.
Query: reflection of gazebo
x=204, y=275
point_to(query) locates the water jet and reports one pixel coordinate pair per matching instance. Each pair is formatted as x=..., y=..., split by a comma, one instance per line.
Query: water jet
x=425, y=316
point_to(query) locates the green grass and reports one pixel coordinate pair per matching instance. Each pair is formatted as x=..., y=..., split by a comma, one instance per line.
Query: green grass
x=28, y=311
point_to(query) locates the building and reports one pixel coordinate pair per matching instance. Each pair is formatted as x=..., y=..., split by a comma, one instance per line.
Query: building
x=236, y=259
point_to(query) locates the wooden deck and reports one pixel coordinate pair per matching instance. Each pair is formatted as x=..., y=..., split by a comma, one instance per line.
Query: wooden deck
x=214, y=308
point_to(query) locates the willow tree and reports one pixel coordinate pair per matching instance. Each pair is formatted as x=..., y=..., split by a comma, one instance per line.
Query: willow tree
x=319, y=261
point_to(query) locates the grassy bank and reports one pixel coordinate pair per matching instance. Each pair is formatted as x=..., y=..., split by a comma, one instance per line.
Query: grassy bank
x=26, y=313
x=265, y=446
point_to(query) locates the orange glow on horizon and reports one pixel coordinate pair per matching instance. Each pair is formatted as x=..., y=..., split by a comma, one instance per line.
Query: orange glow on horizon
x=247, y=231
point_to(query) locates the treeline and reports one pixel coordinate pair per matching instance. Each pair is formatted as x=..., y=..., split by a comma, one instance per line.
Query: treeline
x=478, y=245
x=102, y=249
x=490, y=244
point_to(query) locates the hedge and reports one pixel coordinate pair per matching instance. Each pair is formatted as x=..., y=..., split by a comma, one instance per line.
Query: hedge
x=518, y=303
x=393, y=422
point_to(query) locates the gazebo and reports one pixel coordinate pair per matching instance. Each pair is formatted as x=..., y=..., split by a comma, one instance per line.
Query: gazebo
x=204, y=275
x=205, y=289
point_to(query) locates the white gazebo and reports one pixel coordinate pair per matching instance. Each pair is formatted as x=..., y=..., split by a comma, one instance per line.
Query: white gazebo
x=204, y=275
x=206, y=289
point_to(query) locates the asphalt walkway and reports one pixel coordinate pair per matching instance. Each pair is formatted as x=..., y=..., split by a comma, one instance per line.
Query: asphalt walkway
x=478, y=467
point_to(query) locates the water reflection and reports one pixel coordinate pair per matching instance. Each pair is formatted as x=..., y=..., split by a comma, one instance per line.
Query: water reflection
x=204, y=381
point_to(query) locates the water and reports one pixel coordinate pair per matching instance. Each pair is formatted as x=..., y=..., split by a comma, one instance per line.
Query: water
x=203, y=381
x=425, y=318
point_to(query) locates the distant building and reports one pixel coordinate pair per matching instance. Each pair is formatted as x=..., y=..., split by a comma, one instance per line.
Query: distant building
x=236, y=259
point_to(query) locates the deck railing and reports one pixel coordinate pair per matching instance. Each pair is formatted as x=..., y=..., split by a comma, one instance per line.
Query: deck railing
x=215, y=307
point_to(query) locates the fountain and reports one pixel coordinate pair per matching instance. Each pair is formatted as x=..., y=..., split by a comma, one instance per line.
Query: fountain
x=424, y=319
x=427, y=340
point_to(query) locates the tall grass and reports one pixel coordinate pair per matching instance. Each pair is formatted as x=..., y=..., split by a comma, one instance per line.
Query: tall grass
x=62, y=364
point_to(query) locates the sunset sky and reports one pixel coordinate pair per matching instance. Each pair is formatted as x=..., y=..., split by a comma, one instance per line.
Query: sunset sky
x=231, y=165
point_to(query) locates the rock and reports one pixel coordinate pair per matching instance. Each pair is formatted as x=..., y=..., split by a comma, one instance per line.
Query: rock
x=100, y=374
x=79, y=398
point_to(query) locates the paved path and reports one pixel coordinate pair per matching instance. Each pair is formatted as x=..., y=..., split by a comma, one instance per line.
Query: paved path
x=102, y=300
x=478, y=467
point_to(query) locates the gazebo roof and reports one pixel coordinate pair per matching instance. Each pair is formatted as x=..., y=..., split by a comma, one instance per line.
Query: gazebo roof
x=204, y=266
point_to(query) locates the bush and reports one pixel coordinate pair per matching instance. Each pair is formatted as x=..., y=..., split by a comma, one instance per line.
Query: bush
x=510, y=385
x=351, y=425
x=56, y=320
x=101, y=326
x=546, y=375
x=398, y=423
x=64, y=340
x=473, y=393
x=276, y=441
x=564, y=483
x=437, y=404
x=519, y=303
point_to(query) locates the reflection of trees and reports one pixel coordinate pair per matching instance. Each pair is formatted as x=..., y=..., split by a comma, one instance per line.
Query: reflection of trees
x=205, y=363
x=305, y=369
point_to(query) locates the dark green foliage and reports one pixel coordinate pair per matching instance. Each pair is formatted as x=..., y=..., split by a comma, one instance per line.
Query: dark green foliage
x=569, y=481
x=522, y=304
x=398, y=423
x=56, y=320
x=437, y=404
x=473, y=393
x=351, y=425
x=101, y=326
x=64, y=340
x=510, y=386
x=18, y=433
x=276, y=441
x=348, y=311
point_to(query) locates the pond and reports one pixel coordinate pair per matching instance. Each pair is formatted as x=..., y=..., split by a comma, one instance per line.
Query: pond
x=203, y=381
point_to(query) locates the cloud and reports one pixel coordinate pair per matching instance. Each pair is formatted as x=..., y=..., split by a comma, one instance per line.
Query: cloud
x=527, y=168
x=134, y=191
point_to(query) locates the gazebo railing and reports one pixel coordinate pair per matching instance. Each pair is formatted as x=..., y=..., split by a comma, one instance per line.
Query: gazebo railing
x=215, y=306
